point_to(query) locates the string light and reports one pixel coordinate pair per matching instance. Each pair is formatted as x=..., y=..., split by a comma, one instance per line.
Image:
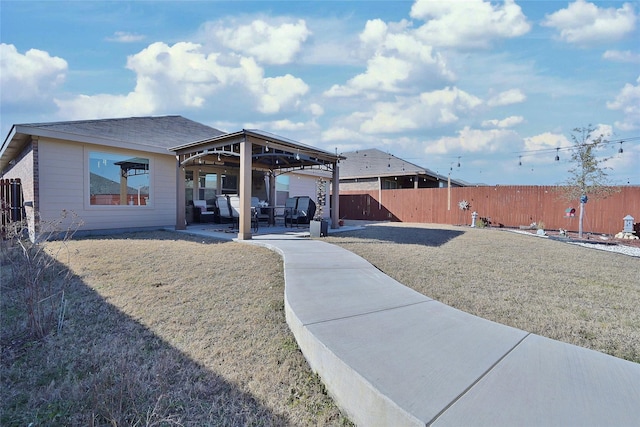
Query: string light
x=620, y=150
x=558, y=154
x=519, y=160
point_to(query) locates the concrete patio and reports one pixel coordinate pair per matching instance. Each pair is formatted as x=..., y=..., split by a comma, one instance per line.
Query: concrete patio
x=391, y=356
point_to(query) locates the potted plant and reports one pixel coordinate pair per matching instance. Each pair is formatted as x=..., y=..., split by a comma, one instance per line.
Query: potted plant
x=318, y=226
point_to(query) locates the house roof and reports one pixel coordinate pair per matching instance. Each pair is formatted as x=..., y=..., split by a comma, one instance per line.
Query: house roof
x=373, y=163
x=151, y=134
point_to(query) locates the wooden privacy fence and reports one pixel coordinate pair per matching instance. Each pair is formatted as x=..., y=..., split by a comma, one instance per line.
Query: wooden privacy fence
x=508, y=206
x=11, y=201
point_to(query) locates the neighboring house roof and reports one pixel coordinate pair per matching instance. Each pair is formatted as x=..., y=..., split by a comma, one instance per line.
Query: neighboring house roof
x=373, y=163
x=151, y=134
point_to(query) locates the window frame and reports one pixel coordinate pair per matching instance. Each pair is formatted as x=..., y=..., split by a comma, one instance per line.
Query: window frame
x=92, y=152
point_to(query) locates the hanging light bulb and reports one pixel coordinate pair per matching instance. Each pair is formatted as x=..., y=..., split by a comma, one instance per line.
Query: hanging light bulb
x=620, y=150
x=266, y=147
x=219, y=157
x=558, y=154
x=519, y=160
x=298, y=155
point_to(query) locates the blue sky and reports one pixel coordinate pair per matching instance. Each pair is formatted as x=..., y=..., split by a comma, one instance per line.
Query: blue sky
x=488, y=84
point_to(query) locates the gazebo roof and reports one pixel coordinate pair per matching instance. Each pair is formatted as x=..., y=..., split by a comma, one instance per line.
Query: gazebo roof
x=269, y=151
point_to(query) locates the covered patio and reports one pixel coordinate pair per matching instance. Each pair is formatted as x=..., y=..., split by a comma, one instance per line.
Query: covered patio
x=249, y=150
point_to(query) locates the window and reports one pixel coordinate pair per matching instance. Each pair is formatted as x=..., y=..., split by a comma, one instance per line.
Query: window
x=282, y=189
x=207, y=186
x=116, y=179
x=229, y=184
x=389, y=185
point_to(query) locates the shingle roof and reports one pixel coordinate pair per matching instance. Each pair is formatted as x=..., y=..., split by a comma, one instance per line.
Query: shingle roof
x=374, y=163
x=160, y=131
x=152, y=134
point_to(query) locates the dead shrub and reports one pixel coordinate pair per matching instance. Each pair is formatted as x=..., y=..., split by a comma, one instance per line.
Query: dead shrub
x=35, y=276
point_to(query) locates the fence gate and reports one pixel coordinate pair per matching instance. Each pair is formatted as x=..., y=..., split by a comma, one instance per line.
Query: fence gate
x=11, y=201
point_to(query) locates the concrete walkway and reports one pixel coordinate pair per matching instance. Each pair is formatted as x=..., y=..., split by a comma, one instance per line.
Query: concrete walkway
x=390, y=356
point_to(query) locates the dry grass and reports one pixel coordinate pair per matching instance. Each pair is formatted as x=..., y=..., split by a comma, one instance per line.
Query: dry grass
x=165, y=329
x=162, y=329
x=573, y=294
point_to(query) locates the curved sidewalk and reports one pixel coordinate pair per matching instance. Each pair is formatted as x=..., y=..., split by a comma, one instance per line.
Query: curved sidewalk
x=391, y=356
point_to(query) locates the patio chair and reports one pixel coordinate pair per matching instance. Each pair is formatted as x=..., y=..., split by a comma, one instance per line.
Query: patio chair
x=256, y=206
x=201, y=213
x=234, y=204
x=304, y=211
x=289, y=208
x=224, y=209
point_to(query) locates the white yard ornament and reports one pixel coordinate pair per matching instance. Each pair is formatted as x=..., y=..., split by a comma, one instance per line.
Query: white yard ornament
x=464, y=205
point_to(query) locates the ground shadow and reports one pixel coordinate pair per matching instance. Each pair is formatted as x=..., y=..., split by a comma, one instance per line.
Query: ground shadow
x=401, y=235
x=106, y=368
x=164, y=235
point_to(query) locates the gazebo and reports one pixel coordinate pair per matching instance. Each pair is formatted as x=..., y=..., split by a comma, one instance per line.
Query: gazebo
x=252, y=149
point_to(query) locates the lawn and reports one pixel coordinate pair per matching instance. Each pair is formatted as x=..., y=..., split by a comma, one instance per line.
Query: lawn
x=165, y=329
x=161, y=329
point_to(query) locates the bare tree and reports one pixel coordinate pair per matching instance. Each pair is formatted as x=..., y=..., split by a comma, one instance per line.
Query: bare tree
x=587, y=177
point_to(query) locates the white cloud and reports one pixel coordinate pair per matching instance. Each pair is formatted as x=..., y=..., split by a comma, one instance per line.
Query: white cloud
x=340, y=91
x=182, y=76
x=546, y=141
x=31, y=77
x=473, y=140
x=397, y=60
x=383, y=74
x=316, y=109
x=512, y=96
x=125, y=37
x=468, y=24
x=374, y=33
x=621, y=56
x=429, y=109
x=288, y=125
x=504, y=123
x=582, y=22
x=270, y=44
x=339, y=134
x=280, y=92
x=628, y=101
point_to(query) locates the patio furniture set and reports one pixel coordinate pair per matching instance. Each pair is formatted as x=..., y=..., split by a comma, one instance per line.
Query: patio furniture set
x=226, y=209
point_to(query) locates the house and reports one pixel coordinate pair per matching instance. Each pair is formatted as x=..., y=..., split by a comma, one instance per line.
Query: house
x=141, y=172
x=373, y=169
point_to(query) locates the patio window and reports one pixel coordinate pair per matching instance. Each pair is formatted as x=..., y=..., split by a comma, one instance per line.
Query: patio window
x=229, y=184
x=116, y=179
x=207, y=186
x=282, y=189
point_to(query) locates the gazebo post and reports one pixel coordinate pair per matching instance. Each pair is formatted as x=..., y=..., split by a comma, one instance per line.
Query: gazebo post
x=244, y=232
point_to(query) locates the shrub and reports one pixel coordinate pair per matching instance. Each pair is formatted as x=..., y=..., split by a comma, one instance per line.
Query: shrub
x=35, y=275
